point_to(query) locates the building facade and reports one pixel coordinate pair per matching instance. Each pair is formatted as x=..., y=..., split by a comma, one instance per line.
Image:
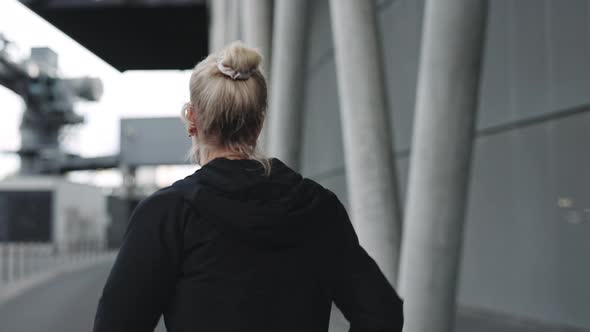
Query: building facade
x=526, y=237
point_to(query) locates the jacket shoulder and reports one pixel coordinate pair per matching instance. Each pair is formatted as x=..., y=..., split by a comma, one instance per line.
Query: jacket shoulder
x=176, y=194
x=319, y=188
x=186, y=189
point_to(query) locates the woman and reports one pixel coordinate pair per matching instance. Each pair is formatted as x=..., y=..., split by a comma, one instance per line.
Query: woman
x=244, y=243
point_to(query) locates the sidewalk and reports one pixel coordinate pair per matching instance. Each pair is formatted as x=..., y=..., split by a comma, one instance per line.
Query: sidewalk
x=16, y=288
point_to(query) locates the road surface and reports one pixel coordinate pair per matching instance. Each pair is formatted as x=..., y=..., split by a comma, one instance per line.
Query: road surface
x=63, y=304
x=68, y=304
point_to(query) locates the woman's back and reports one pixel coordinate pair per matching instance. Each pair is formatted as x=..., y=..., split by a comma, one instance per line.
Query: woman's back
x=254, y=265
x=230, y=249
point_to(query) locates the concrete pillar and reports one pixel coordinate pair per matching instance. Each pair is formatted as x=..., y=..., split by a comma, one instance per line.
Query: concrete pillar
x=234, y=20
x=257, y=27
x=368, y=148
x=446, y=104
x=257, y=32
x=217, y=26
x=287, y=77
x=224, y=23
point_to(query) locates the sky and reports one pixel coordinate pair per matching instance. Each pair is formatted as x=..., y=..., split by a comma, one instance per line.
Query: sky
x=127, y=94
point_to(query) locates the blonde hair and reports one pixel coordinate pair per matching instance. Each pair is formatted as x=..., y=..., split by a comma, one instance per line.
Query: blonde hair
x=230, y=107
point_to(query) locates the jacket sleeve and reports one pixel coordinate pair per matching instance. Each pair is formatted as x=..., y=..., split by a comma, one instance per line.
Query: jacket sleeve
x=362, y=293
x=143, y=276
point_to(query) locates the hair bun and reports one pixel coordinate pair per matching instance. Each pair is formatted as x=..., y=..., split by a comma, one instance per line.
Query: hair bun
x=240, y=58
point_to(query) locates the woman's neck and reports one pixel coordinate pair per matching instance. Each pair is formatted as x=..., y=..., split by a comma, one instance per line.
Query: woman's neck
x=221, y=153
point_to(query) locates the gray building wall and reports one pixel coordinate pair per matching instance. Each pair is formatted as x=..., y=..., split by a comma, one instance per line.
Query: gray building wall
x=140, y=147
x=527, y=241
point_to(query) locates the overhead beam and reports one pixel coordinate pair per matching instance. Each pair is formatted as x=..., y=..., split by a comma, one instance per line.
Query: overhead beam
x=158, y=35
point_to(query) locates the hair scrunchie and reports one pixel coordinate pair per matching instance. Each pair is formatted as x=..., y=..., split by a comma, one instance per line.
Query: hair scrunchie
x=235, y=75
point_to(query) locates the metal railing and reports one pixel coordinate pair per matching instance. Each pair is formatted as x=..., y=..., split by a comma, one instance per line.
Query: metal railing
x=24, y=260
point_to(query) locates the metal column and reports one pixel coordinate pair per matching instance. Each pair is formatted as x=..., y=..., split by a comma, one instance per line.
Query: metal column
x=446, y=104
x=370, y=164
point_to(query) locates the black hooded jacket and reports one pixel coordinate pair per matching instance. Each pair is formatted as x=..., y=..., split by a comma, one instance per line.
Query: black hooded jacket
x=229, y=249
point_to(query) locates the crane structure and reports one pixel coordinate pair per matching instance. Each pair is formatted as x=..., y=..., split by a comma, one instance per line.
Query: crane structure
x=49, y=107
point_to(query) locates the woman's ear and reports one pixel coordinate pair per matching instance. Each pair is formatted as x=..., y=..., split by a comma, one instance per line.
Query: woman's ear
x=192, y=119
x=190, y=112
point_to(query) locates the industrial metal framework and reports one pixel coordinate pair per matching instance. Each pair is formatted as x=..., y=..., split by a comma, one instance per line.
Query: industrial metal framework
x=49, y=101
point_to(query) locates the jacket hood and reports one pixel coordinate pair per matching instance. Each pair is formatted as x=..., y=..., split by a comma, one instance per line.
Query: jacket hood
x=269, y=211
